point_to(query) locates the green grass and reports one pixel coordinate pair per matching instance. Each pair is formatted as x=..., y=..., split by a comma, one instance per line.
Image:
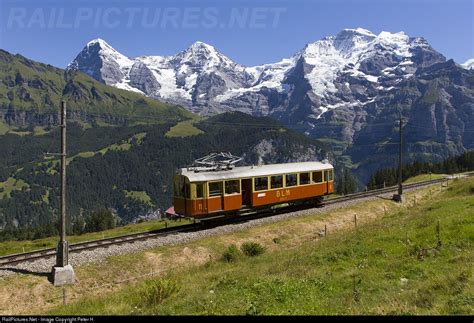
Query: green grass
x=11, y=184
x=39, y=131
x=139, y=195
x=393, y=265
x=124, y=145
x=184, y=129
x=86, y=154
x=11, y=247
x=423, y=177
x=4, y=128
x=19, y=133
x=116, y=147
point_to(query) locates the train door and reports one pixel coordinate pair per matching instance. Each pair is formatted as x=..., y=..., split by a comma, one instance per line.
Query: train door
x=216, y=196
x=326, y=178
x=329, y=178
x=246, y=192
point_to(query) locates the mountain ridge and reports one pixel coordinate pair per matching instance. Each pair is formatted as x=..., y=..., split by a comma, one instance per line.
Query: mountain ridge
x=183, y=81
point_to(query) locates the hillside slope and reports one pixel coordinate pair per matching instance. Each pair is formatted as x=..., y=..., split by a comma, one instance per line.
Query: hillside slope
x=391, y=265
x=123, y=148
x=394, y=262
x=129, y=169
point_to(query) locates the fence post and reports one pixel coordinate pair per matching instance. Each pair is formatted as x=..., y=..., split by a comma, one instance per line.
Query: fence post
x=384, y=210
x=406, y=241
x=355, y=221
x=437, y=234
x=325, y=230
x=64, y=296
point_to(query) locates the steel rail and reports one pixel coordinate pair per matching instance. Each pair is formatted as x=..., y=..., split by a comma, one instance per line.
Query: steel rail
x=93, y=244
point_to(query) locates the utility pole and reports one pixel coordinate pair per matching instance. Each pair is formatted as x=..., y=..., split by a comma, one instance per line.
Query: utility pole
x=399, y=197
x=63, y=272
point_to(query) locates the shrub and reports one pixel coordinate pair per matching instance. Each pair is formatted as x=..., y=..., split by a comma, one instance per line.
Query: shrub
x=252, y=249
x=231, y=254
x=156, y=291
x=100, y=220
x=424, y=298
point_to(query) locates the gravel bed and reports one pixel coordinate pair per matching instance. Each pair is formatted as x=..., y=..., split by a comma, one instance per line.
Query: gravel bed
x=98, y=255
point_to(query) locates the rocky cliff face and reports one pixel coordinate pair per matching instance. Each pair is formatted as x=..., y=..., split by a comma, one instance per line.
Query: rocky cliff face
x=437, y=106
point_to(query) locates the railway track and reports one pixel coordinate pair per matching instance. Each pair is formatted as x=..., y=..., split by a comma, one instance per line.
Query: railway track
x=88, y=245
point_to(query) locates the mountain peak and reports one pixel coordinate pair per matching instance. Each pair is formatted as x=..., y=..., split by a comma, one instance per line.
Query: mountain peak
x=349, y=39
x=101, y=61
x=201, y=46
x=102, y=46
x=201, y=54
x=99, y=41
x=469, y=64
x=360, y=31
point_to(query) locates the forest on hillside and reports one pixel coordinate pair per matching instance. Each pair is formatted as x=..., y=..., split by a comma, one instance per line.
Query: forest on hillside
x=127, y=170
x=451, y=165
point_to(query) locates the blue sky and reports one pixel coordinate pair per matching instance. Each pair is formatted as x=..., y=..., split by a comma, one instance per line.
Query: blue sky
x=249, y=32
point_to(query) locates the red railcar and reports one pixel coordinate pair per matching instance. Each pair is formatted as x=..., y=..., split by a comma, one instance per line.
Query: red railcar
x=206, y=194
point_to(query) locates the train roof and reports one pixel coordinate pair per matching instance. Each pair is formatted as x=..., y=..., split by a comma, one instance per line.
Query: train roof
x=253, y=171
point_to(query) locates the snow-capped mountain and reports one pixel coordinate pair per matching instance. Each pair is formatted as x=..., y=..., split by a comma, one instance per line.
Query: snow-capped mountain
x=469, y=64
x=99, y=60
x=191, y=78
x=350, y=68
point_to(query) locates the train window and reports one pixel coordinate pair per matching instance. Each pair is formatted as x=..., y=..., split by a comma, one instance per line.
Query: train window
x=261, y=183
x=232, y=186
x=304, y=178
x=291, y=180
x=329, y=175
x=187, y=190
x=178, y=186
x=199, y=190
x=276, y=181
x=318, y=177
x=215, y=189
